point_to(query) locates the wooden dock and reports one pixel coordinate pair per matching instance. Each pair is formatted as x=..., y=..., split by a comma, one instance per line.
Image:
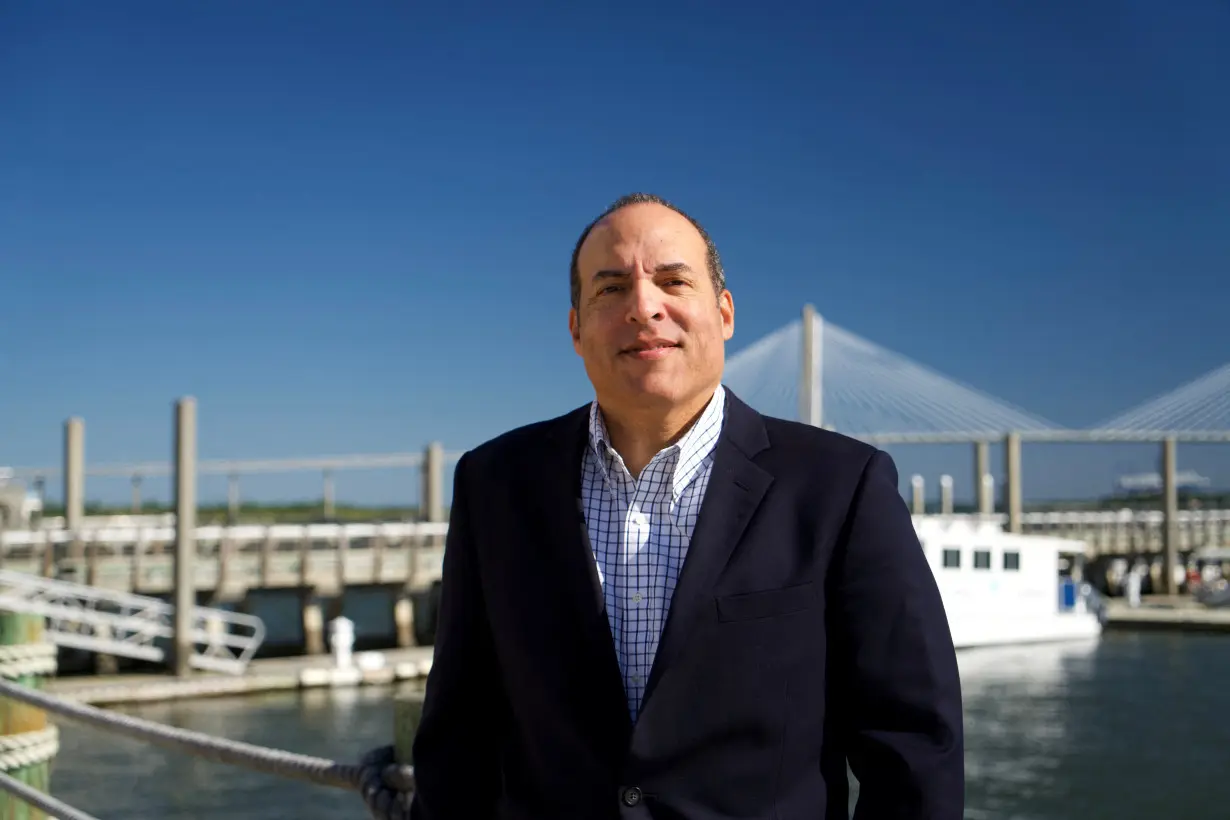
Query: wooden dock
x=263, y=675
x=1161, y=612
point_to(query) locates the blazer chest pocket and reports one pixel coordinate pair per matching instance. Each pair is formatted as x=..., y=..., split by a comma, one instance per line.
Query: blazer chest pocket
x=766, y=603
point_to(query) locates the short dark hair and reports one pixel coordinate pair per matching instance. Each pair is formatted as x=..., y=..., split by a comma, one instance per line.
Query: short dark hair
x=712, y=259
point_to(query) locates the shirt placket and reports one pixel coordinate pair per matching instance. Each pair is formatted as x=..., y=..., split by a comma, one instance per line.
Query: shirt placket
x=638, y=550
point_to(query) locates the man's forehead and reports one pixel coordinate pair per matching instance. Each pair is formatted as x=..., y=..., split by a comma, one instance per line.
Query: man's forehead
x=643, y=224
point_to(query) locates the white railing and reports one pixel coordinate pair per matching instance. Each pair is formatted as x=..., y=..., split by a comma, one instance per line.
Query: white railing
x=122, y=533
x=119, y=623
x=1095, y=518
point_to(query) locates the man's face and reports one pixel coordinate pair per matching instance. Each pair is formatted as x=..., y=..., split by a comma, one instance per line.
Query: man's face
x=650, y=327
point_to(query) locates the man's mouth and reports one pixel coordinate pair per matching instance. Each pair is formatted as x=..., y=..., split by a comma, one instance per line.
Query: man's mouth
x=651, y=349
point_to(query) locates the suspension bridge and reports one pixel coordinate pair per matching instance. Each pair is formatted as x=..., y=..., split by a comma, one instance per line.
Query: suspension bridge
x=818, y=372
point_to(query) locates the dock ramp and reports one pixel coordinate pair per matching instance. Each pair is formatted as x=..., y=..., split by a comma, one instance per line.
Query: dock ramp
x=122, y=624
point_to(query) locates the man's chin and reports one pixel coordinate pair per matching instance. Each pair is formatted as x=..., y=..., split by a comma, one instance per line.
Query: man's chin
x=656, y=386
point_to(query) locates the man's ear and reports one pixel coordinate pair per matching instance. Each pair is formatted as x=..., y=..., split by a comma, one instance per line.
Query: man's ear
x=726, y=306
x=574, y=329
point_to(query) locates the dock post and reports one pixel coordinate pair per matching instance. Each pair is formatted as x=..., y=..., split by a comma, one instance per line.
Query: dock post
x=984, y=482
x=946, y=495
x=432, y=488
x=330, y=511
x=232, y=498
x=431, y=509
x=1170, y=514
x=136, y=494
x=30, y=740
x=1012, y=481
x=74, y=473
x=918, y=505
x=185, y=532
x=313, y=619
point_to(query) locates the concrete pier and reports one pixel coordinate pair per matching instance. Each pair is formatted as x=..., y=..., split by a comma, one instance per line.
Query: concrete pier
x=1174, y=613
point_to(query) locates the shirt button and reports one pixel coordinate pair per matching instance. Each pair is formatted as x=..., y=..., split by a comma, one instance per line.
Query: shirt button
x=631, y=796
x=636, y=599
x=639, y=520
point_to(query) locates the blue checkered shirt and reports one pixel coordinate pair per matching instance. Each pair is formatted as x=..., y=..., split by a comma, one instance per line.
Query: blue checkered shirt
x=640, y=530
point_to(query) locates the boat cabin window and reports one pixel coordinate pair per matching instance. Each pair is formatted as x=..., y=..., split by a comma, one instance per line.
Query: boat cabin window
x=952, y=559
x=982, y=559
x=1012, y=560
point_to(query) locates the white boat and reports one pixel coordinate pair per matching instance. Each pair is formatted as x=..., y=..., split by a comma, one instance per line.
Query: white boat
x=1001, y=588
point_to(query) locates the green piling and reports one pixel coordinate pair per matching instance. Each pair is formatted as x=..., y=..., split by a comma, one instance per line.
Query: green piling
x=26, y=660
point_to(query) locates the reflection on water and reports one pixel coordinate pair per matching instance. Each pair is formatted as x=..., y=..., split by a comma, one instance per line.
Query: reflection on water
x=1131, y=727
x=1126, y=727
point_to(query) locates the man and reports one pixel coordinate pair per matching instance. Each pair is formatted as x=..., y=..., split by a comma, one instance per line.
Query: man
x=666, y=605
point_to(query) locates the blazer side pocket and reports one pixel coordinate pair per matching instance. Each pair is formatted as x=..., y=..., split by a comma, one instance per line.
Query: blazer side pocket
x=746, y=606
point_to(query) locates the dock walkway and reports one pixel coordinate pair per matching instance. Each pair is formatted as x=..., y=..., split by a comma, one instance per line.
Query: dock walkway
x=263, y=675
x=1167, y=612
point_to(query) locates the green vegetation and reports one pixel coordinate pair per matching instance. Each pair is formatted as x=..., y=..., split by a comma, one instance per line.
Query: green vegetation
x=303, y=512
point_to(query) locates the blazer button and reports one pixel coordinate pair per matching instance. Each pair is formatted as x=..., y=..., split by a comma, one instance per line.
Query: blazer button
x=631, y=796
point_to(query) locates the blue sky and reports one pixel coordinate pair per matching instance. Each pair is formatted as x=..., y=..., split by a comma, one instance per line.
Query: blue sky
x=346, y=227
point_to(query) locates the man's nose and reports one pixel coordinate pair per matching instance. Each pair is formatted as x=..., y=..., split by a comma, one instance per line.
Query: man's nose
x=645, y=302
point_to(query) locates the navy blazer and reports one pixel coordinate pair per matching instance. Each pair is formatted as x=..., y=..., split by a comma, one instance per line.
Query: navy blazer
x=806, y=630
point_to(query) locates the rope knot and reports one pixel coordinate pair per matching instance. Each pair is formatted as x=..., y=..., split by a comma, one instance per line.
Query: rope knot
x=387, y=787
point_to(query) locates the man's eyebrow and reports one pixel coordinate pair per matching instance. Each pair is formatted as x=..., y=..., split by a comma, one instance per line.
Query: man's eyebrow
x=665, y=267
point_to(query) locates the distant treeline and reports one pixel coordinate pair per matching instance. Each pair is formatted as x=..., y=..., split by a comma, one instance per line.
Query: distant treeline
x=251, y=513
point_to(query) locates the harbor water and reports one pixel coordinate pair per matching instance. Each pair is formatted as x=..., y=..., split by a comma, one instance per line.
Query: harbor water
x=1133, y=726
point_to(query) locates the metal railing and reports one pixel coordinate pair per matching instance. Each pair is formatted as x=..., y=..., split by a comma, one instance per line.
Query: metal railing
x=127, y=625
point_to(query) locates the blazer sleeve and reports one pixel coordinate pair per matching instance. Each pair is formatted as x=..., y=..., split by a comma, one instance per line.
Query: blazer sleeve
x=456, y=749
x=905, y=741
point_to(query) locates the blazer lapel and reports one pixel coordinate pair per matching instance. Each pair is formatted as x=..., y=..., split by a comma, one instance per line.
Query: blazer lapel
x=568, y=544
x=736, y=487
x=565, y=521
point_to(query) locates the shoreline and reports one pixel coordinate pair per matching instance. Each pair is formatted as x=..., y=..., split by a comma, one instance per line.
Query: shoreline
x=374, y=668
x=1162, y=613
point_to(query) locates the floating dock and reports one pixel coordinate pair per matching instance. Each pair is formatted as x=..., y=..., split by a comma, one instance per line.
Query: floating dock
x=378, y=668
x=1178, y=613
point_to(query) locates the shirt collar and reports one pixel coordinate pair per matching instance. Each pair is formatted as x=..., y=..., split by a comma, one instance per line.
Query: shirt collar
x=689, y=453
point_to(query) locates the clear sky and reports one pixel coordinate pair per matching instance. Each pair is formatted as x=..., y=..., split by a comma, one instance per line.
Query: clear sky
x=346, y=227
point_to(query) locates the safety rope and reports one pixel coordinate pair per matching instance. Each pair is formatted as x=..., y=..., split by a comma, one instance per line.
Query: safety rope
x=385, y=786
x=57, y=809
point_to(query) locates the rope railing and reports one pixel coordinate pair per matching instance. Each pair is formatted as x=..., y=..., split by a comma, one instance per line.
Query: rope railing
x=384, y=785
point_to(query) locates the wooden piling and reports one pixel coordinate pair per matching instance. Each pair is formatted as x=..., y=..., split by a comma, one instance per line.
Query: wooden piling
x=25, y=733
